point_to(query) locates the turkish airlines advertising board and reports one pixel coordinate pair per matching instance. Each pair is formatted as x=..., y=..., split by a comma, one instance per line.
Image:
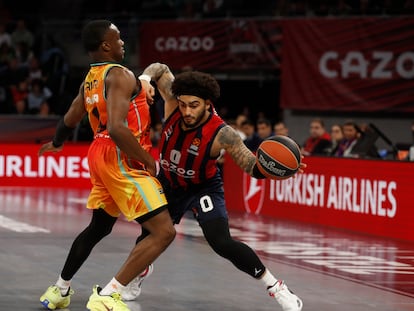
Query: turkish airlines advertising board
x=371, y=196
x=362, y=64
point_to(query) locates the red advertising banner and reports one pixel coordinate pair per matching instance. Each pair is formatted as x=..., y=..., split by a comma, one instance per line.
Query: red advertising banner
x=211, y=45
x=362, y=64
x=21, y=166
x=368, y=196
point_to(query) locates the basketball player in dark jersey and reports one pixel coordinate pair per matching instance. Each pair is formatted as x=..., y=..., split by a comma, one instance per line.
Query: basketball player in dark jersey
x=192, y=139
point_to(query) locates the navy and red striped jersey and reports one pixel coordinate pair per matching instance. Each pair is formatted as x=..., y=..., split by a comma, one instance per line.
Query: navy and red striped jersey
x=185, y=155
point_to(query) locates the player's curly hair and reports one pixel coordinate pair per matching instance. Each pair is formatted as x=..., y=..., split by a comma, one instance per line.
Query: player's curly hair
x=196, y=83
x=93, y=34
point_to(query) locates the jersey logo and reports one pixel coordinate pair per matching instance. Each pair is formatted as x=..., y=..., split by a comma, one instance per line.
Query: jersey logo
x=168, y=133
x=195, y=144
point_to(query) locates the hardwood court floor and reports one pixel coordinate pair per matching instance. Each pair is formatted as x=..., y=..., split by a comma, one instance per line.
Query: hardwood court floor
x=329, y=269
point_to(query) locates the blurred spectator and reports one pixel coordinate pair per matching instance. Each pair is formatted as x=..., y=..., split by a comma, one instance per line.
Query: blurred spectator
x=239, y=121
x=252, y=140
x=35, y=70
x=5, y=37
x=336, y=137
x=14, y=72
x=264, y=128
x=319, y=140
x=22, y=35
x=280, y=128
x=6, y=54
x=213, y=8
x=351, y=133
x=19, y=94
x=23, y=54
x=365, y=144
x=38, y=97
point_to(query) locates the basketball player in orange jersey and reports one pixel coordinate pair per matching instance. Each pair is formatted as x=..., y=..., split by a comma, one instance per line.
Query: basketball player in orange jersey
x=192, y=139
x=122, y=171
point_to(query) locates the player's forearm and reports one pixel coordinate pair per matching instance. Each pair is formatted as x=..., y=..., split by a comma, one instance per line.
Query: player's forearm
x=164, y=86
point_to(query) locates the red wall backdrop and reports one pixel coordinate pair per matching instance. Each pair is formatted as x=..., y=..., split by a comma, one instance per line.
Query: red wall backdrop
x=367, y=196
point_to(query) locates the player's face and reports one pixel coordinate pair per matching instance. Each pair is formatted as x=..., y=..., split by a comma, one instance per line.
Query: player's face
x=194, y=110
x=114, y=43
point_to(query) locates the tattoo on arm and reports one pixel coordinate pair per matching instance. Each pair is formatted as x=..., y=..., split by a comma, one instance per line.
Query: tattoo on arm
x=230, y=140
x=164, y=85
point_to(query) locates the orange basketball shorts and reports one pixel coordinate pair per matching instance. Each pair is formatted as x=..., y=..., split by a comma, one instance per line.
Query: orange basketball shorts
x=118, y=188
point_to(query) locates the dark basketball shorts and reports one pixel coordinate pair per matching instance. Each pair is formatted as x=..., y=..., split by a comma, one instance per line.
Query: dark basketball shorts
x=206, y=202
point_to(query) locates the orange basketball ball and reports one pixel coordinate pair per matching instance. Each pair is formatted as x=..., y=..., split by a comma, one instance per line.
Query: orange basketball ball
x=278, y=157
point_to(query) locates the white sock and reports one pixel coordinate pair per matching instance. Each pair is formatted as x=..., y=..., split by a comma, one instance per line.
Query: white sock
x=63, y=285
x=112, y=287
x=268, y=279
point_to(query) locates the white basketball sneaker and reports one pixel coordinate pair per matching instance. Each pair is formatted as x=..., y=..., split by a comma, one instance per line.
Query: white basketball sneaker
x=133, y=289
x=287, y=300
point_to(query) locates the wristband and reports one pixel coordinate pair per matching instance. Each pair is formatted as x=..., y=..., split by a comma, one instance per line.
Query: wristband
x=62, y=133
x=145, y=78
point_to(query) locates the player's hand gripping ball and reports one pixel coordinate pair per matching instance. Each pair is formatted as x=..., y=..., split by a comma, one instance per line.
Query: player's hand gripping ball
x=278, y=157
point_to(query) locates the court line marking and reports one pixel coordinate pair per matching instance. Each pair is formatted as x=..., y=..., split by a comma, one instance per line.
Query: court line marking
x=19, y=226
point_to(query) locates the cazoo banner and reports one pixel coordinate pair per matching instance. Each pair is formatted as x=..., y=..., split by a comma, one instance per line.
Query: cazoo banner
x=237, y=44
x=369, y=196
x=362, y=64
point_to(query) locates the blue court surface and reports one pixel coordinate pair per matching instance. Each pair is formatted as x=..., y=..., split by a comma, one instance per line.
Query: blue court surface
x=329, y=269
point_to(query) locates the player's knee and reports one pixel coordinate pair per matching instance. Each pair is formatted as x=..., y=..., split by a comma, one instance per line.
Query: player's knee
x=221, y=245
x=100, y=230
x=167, y=235
x=170, y=234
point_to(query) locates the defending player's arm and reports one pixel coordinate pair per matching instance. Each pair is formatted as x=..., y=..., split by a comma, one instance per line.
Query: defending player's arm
x=120, y=85
x=162, y=76
x=229, y=140
x=66, y=125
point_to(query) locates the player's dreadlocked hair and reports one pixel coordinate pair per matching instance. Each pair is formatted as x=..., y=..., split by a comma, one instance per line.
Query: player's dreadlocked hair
x=93, y=34
x=196, y=83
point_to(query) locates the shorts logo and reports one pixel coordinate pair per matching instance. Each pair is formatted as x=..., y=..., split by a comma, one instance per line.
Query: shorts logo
x=253, y=193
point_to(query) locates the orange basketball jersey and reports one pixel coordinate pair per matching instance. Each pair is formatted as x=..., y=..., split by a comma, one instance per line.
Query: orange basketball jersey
x=138, y=118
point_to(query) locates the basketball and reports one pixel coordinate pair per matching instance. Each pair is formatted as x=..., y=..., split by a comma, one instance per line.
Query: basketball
x=278, y=157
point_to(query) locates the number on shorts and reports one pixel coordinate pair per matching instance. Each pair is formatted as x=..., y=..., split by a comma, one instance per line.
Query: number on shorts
x=206, y=203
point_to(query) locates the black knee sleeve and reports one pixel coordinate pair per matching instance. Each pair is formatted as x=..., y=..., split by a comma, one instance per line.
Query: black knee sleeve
x=218, y=236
